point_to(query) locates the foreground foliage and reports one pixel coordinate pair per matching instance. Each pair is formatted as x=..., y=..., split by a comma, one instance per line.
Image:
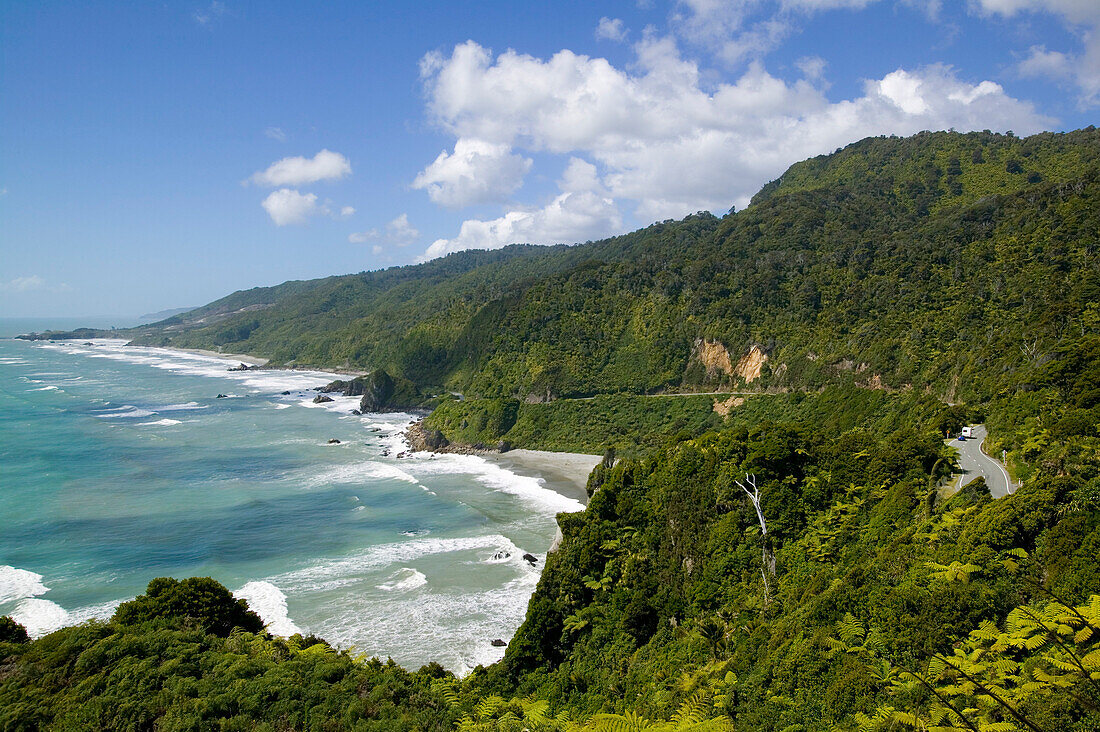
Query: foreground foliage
x=791, y=565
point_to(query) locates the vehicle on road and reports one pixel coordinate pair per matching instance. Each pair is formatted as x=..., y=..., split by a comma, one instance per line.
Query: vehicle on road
x=967, y=432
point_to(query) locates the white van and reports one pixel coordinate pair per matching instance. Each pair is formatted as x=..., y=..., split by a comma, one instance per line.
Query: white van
x=968, y=432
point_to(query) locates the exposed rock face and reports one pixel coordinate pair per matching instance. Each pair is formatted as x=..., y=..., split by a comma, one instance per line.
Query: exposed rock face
x=715, y=358
x=378, y=388
x=321, y=399
x=498, y=643
x=354, y=387
x=424, y=438
x=530, y=559
x=723, y=408
x=749, y=365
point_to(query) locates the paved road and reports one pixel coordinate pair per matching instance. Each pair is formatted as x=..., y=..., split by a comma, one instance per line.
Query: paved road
x=974, y=462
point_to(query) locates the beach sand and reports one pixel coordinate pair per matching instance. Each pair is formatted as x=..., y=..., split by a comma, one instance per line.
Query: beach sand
x=239, y=358
x=564, y=472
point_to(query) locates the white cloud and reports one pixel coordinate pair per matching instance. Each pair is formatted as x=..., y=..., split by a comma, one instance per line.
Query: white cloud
x=362, y=237
x=293, y=171
x=611, y=29
x=477, y=172
x=398, y=232
x=287, y=206
x=275, y=133
x=32, y=283
x=672, y=142
x=1083, y=69
x=1041, y=63
x=211, y=12
x=583, y=210
x=347, y=211
x=812, y=67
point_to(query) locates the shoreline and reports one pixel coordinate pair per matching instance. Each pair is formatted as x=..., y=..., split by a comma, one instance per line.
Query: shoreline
x=258, y=361
x=562, y=472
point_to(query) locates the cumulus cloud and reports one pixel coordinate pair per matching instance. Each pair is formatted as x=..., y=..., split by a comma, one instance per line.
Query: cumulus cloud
x=294, y=171
x=611, y=29
x=347, y=211
x=398, y=232
x=672, y=143
x=31, y=283
x=362, y=237
x=288, y=206
x=583, y=210
x=1082, y=69
x=476, y=172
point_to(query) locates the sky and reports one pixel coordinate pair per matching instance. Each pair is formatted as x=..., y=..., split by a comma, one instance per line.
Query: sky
x=157, y=155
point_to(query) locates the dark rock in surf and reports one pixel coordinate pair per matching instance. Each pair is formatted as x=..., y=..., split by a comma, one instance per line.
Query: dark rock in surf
x=321, y=399
x=530, y=559
x=498, y=643
x=334, y=441
x=378, y=387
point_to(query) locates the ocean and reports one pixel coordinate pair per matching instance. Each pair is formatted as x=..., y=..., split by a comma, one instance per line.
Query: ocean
x=119, y=464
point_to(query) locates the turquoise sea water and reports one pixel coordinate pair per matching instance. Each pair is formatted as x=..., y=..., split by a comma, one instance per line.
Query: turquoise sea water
x=119, y=464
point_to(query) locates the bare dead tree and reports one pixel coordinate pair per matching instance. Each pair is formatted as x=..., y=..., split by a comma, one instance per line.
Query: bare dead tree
x=767, y=559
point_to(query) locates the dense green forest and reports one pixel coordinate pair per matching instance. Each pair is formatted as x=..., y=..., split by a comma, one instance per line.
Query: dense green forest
x=790, y=564
x=941, y=260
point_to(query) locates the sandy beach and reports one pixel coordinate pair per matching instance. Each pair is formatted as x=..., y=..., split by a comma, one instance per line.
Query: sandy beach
x=564, y=472
x=240, y=358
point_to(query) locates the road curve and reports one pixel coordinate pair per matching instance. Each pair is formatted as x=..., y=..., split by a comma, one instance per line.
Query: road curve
x=973, y=462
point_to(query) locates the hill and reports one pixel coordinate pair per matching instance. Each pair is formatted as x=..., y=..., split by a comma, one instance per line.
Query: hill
x=791, y=564
x=931, y=261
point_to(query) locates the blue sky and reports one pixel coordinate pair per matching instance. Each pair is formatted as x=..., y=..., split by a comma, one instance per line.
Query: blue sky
x=158, y=155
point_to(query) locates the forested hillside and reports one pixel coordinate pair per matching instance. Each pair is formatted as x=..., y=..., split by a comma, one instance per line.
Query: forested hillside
x=942, y=260
x=794, y=563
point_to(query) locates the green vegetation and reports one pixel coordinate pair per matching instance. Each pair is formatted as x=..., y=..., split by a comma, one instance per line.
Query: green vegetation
x=920, y=261
x=790, y=565
x=634, y=425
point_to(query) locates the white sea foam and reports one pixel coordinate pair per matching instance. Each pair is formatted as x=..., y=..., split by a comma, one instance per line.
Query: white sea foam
x=531, y=490
x=359, y=473
x=99, y=611
x=334, y=573
x=181, y=407
x=461, y=625
x=403, y=580
x=40, y=617
x=180, y=362
x=16, y=584
x=128, y=411
x=165, y=422
x=47, y=388
x=269, y=602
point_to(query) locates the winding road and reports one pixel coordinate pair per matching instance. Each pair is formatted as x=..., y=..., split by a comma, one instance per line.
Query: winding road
x=974, y=462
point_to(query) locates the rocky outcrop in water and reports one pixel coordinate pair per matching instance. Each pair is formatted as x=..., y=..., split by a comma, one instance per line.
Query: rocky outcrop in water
x=378, y=390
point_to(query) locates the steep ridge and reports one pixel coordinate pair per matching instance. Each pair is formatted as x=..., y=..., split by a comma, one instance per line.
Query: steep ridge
x=795, y=568
x=869, y=264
